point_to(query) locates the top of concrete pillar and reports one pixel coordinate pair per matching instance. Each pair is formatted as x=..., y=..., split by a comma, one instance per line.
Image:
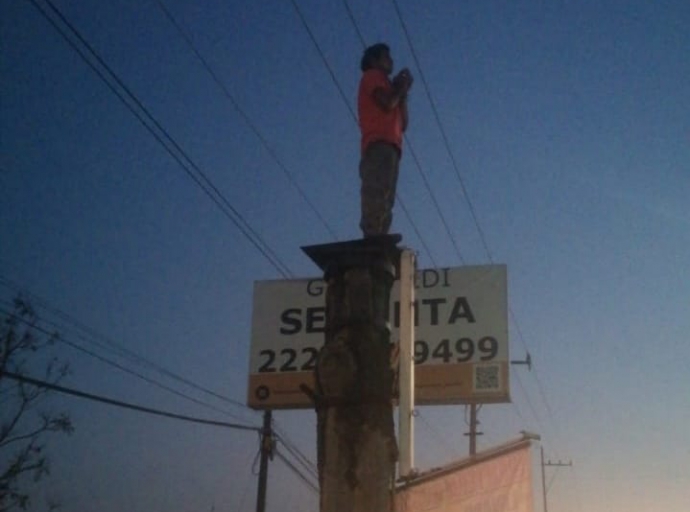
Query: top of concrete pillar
x=376, y=250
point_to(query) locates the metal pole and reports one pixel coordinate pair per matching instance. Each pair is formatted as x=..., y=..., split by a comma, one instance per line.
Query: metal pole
x=266, y=451
x=473, y=423
x=543, y=478
x=406, y=366
x=473, y=429
x=543, y=475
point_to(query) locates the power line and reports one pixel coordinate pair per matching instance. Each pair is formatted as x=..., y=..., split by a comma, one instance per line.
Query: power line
x=162, y=136
x=536, y=376
x=351, y=15
x=323, y=59
x=442, y=130
x=307, y=464
x=201, y=179
x=303, y=459
x=252, y=126
x=416, y=230
x=92, y=335
x=463, y=187
x=529, y=402
x=540, y=386
x=295, y=451
x=295, y=470
x=126, y=405
x=109, y=362
x=427, y=185
x=119, y=403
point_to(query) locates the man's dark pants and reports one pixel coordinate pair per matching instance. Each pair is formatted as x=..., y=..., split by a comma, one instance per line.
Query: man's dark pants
x=378, y=170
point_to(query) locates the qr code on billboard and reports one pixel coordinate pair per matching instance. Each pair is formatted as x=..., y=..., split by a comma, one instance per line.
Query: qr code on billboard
x=487, y=377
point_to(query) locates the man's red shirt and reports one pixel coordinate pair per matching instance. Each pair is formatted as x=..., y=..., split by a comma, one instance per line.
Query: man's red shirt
x=376, y=123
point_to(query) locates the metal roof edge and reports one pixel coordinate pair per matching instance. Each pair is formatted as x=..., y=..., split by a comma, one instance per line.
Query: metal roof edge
x=524, y=441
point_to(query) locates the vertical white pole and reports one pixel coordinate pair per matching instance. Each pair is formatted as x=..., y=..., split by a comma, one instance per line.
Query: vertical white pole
x=406, y=372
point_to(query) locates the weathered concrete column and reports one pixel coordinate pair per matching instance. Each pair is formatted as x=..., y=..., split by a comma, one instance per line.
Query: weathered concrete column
x=356, y=434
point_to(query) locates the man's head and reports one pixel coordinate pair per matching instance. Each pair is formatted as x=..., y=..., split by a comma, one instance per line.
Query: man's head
x=377, y=57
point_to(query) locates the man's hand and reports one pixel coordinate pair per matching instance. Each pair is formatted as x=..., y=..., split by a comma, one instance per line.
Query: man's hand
x=389, y=100
x=403, y=81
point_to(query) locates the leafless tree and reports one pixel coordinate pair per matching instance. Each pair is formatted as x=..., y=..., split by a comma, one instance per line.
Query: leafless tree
x=25, y=419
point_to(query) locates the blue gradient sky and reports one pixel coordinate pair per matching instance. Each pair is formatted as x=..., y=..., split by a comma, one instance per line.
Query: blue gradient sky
x=569, y=125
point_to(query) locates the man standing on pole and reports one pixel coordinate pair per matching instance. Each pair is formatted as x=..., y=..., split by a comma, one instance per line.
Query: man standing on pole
x=382, y=108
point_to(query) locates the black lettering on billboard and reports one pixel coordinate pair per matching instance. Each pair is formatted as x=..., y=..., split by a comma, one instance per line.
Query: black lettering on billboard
x=315, y=287
x=433, y=307
x=461, y=309
x=396, y=314
x=429, y=278
x=292, y=318
x=316, y=319
x=446, y=284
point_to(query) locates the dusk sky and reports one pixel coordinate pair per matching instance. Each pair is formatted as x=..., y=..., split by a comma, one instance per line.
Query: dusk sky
x=552, y=137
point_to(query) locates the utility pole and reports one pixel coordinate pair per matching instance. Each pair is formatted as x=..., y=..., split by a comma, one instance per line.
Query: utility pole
x=543, y=473
x=266, y=450
x=356, y=441
x=474, y=422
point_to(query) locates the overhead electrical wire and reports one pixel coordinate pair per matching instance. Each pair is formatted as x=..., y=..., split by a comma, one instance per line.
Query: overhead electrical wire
x=44, y=304
x=427, y=185
x=354, y=23
x=442, y=130
x=297, y=472
x=327, y=65
x=162, y=136
x=536, y=375
x=307, y=464
x=282, y=437
x=535, y=414
x=126, y=405
x=129, y=99
x=91, y=336
x=464, y=189
x=62, y=339
x=304, y=461
x=252, y=126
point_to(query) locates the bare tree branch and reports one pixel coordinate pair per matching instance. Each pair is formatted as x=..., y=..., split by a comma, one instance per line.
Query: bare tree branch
x=23, y=423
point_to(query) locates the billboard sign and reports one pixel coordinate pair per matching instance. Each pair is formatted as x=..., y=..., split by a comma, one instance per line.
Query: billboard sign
x=461, y=337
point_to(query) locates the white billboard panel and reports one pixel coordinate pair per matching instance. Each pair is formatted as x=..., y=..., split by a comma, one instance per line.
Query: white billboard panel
x=461, y=337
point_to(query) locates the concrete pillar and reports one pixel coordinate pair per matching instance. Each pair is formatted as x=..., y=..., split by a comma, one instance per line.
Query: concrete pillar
x=356, y=435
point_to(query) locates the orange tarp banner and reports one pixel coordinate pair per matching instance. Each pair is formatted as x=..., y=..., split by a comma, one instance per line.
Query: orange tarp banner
x=501, y=483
